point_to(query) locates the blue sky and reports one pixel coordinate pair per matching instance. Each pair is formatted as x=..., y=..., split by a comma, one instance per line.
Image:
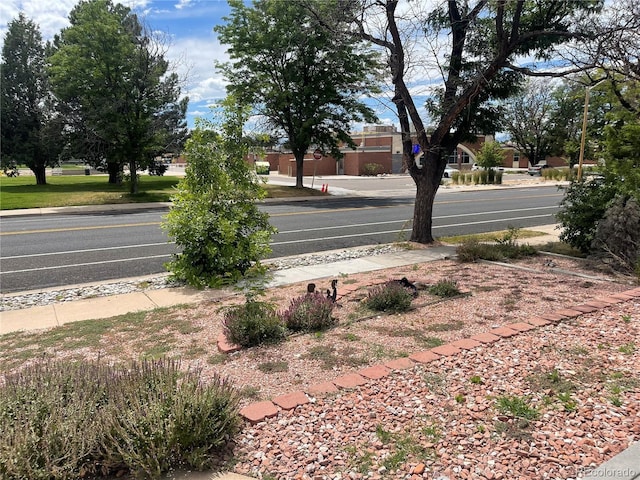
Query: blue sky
x=188, y=25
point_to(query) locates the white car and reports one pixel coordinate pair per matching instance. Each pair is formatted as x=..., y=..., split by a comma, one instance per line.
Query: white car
x=448, y=171
x=475, y=167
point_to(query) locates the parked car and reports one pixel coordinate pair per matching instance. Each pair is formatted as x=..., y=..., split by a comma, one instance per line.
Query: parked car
x=476, y=167
x=448, y=171
x=537, y=169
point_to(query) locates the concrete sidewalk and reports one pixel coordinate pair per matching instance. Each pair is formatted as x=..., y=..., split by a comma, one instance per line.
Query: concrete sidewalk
x=58, y=314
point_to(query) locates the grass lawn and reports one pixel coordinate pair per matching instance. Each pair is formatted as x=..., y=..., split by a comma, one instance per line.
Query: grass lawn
x=63, y=191
x=489, y=236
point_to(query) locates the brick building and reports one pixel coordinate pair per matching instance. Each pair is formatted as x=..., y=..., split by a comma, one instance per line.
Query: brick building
x=379, y=150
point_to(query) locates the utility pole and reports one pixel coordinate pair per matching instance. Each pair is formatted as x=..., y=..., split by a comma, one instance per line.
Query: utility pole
x=587, y=92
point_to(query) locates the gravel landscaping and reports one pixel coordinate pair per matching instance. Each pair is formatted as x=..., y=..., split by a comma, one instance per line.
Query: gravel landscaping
x=552, y=402
x=443, y=420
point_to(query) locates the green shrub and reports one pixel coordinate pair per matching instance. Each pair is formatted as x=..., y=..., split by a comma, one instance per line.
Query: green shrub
x=262, y=168
x=64, y=420
x=476, y=177
x=456, y=178
x=389, y=297
x=372, y=169
x=253, y=323
x=582, y=207
x=309, y=313
x=483, y=177
x=498, y=178
x=445, y=288
x=214, y=217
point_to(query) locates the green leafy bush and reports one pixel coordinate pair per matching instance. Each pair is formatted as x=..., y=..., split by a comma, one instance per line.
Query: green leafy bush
x=253, y=323
x=389, y=297
x=66, y=420
x=582, y=207
x=457, y=177
x=309, y=313
x=445, y=288
x=262, y=168
x=214, y=217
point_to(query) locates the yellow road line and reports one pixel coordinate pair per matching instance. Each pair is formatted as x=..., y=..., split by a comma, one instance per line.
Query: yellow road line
x=328, y=210
x=77, y=229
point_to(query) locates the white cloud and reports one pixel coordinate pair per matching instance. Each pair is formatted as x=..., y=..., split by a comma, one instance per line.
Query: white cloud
x=194, y=60
x=50, y=16
x=182, y=4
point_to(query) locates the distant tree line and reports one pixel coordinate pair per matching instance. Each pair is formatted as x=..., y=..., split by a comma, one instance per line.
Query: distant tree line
x=101, y=91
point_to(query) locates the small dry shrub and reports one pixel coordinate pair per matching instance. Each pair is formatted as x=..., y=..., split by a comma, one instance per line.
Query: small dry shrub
x=309, y=313
x=505, y=248
x=63, y=420
x=253, y=323
x=389, y=297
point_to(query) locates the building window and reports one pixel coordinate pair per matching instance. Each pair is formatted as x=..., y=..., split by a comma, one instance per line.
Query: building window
x=453, y=158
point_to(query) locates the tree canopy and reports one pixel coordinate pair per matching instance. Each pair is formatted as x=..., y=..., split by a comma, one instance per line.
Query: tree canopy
x=299, y=77
x=119, y=96
x=530, y=119
x=490, y=155
x=30, y=126
x=478, y=48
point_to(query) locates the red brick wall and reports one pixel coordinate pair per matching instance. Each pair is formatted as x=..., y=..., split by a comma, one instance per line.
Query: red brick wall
x=354, y=162
x=324, y=166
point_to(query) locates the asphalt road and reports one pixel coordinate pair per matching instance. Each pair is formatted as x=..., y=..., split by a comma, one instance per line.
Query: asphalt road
x=56, y=250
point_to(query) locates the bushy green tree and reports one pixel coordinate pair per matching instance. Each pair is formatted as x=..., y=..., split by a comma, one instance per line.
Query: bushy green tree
x=214, y=218
x=490, y=155
x=622, y=137
x=306, y=81
x=30, y=125
x=121, y=100
x=582, y=207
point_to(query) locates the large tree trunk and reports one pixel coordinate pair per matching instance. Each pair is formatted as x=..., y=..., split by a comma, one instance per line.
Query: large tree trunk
x=133, y=172
x=427, y=181
x=299, y=168
x=40, y=172
x=115, y=174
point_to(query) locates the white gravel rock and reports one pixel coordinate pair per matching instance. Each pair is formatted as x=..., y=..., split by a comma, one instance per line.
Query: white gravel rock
x=34, y=299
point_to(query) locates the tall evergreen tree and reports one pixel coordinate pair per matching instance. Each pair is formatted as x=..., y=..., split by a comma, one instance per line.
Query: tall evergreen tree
x=30, y=126
x=121, y=100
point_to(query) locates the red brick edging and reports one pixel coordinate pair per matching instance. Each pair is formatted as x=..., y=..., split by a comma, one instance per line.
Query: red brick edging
x=260, y=411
